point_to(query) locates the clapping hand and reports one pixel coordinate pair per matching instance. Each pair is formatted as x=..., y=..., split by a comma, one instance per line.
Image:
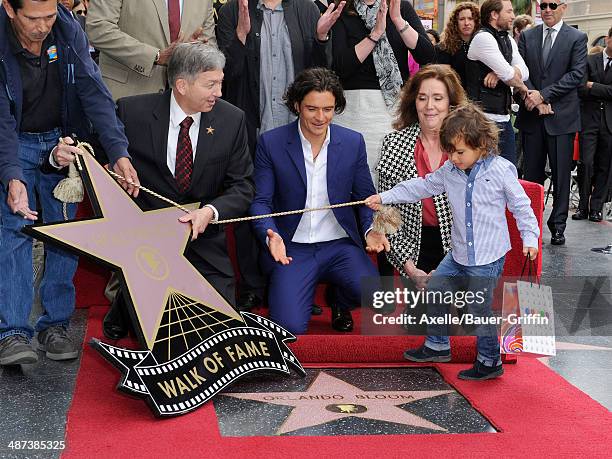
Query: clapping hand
x=244, y=21
x=328, y=19
x=394, y=11
x=381, y=21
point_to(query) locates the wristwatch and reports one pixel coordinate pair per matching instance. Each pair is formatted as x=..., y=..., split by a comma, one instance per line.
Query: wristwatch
x=157, y=56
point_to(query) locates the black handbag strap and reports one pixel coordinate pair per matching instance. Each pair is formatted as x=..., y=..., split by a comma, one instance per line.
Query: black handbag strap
x=529, y=272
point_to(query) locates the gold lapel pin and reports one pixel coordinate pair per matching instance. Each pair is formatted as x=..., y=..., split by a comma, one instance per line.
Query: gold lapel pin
x=210, y=130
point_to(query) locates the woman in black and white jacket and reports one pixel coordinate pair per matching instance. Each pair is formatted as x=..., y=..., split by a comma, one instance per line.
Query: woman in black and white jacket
x=414, y=150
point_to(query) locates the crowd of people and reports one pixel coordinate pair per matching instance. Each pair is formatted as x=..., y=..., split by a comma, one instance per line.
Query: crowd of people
x=262, y=106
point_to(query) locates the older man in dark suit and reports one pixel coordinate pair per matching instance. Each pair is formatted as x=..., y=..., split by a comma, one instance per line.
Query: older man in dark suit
x=596, y=136
x=192, y=147
x=555, y=54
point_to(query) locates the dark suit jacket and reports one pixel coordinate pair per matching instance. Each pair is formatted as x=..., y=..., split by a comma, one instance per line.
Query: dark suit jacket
x=221, y=171
x=280, y=180
x=557, y=80
x=242, y=61
x=600, y=93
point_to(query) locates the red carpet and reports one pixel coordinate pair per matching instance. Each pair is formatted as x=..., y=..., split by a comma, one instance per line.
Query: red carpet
x=538, y=413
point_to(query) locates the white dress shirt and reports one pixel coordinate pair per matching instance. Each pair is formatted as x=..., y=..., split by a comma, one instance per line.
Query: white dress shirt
x=484, y=48
x=177, y=115
x=555, y=31
x=322, y=225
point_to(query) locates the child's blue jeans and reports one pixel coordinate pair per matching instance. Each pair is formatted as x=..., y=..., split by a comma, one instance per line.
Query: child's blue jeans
x=451, y=276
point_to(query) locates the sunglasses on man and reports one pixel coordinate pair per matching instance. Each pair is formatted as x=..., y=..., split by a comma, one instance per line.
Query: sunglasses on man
x=552, y=6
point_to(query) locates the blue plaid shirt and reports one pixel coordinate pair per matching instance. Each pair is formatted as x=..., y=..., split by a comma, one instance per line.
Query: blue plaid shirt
x=480, y=231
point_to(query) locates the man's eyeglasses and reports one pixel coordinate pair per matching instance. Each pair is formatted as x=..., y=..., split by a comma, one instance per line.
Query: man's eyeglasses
x=81, y=12
x=552, y=6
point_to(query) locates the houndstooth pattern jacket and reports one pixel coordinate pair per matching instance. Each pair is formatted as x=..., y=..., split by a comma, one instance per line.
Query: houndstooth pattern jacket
x=396, y=165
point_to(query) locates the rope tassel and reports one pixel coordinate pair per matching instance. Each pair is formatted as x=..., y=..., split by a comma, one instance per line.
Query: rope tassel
x=387, y=220
x=70, y=189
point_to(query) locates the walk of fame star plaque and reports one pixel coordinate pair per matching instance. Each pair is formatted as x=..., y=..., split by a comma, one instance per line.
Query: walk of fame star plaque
x=194, y=343
x=348, y=401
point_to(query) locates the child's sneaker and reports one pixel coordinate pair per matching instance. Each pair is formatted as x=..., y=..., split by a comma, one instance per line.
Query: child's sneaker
x=425, y=354
x=480, y=372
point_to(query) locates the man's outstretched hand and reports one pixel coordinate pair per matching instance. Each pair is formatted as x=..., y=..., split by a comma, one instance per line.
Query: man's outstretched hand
x=277, y=248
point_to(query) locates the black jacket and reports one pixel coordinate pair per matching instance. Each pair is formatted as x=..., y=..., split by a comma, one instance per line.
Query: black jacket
x=457, y=61
x=221, y=171
x=495, y=100
x=242, y=61
x=596, y=101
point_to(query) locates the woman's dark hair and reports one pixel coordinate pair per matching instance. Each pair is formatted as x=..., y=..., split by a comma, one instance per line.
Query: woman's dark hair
x=451, y=37
x=469, y=123
x=434, y=34
x=315, y=79
x=407, y=112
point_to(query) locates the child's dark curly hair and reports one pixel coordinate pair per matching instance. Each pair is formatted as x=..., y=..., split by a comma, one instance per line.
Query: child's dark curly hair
x=469, y=123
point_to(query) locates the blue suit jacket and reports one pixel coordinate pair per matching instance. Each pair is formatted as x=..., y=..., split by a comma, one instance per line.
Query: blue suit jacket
x=280, y=180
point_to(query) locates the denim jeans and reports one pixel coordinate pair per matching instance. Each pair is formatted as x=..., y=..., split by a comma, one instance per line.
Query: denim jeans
x=16, y=281
x=448, y=277
x=507, y=142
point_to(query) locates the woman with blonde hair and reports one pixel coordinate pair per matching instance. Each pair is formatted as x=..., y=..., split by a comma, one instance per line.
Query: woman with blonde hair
x=463, y=22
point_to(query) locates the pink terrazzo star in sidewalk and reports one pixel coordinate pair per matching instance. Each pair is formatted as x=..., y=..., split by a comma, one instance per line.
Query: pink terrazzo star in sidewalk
x=329, y=398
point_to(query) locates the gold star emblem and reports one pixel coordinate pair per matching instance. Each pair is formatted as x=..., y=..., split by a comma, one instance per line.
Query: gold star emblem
x=210, y=130
x=347, y=408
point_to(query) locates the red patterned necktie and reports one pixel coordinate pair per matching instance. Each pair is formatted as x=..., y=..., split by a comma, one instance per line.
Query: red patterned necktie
x=184, y=156
x=174, y=18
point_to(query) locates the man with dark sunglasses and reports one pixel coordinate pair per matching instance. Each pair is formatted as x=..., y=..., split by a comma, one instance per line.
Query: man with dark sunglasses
x=555, y=54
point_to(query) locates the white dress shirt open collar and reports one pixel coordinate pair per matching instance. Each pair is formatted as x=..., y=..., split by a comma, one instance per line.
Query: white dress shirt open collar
x=319, y=226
